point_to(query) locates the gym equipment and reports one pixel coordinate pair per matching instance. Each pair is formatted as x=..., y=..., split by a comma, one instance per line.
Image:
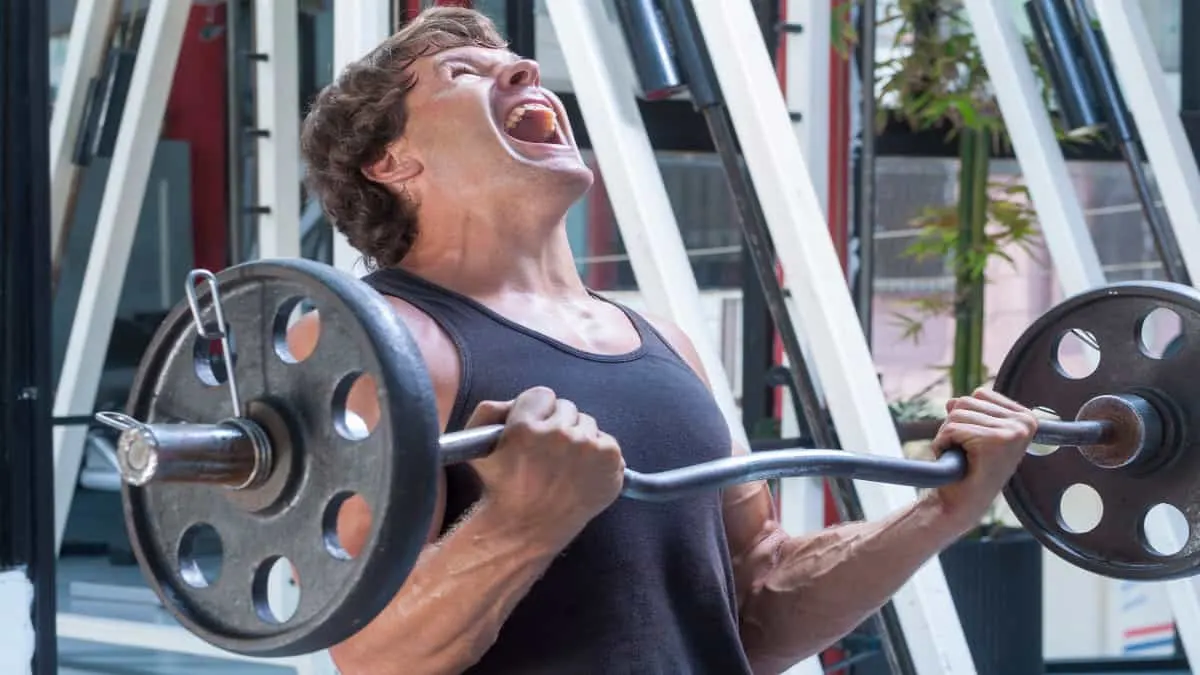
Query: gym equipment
x=1145, y=463
x=268, y=480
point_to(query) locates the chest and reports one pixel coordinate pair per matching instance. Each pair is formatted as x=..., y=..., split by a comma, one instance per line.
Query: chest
x=589, y=325
x=654, y=405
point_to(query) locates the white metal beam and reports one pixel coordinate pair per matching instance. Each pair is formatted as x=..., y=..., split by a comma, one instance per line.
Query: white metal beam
x=819, y=293
x=277, y=104
x=1148, y=97
x=358, y=27
x=116, y=225
x=1042, y=164
x=806, y=91
x=1149, y=100
x=806, y=86
x=158, y=637
x=603, y=81
x=86, y=46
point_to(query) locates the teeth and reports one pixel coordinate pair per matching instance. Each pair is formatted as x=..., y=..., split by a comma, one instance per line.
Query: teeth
x=518, y=113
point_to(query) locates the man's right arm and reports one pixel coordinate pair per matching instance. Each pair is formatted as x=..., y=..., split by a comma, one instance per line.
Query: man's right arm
x=466, y=583
x=451, y=607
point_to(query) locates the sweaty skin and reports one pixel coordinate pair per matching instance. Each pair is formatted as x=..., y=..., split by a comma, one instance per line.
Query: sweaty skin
x=492, y=212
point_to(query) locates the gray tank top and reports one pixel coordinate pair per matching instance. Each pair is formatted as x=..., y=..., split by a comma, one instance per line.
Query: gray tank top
x=645, y=588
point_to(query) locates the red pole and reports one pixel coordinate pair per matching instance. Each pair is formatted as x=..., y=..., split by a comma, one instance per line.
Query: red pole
x=196, y=114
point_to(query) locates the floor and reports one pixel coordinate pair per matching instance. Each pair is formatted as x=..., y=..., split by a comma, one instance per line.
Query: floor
x=93, y=587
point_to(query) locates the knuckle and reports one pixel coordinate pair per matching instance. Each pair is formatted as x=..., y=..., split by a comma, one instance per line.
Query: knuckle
x=539, y=391
x=524, y=427
x=1011, y=434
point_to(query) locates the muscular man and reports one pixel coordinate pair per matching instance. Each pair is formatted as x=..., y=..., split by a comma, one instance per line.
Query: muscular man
x=450, y=169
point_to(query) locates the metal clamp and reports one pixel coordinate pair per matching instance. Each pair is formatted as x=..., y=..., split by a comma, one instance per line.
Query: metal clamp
x=221, y=332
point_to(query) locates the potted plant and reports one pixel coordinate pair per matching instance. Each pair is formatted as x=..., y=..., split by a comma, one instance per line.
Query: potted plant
x=938, y=82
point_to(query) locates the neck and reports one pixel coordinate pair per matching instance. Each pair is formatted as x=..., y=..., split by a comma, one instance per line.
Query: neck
x=508, y=250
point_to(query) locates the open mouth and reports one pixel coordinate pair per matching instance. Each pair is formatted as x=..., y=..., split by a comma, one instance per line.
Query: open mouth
x=533, y=123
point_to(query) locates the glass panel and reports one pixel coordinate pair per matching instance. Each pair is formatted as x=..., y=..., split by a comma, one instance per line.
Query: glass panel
x=703, y=208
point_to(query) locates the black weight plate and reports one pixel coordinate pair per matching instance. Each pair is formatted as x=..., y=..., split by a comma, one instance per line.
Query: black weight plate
x=394, y=469
x=1117, y=546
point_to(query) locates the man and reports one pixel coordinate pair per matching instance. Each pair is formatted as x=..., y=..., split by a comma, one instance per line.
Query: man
x=450, y=169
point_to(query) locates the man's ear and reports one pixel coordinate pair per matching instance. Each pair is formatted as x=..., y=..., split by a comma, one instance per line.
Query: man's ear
x=394, y=167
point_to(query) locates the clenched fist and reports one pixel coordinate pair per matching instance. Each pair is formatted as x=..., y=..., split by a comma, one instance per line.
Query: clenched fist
x=994, y=433
x=552, y=469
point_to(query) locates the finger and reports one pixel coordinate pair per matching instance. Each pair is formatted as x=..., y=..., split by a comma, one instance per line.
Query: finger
x=489, y=412
x=999, y=399
x=983, y=419
x=607, y=442
x=956, y=433
x=533, y=405
x=992, y=408
x=587, y=426
x=565, y=415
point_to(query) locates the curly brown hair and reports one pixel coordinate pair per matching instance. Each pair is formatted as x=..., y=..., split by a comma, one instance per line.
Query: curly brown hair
x=352, y=121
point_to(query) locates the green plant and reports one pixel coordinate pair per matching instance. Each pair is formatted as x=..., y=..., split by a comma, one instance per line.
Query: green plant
x=937, y=81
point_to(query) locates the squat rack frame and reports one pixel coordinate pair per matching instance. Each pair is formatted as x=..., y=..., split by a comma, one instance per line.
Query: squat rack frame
x=27, y=569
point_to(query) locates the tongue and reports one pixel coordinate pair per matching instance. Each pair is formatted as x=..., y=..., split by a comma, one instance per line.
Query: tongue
x=536, y=126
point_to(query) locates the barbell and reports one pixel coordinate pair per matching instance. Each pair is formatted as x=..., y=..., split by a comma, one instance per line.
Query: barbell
x=251, y=444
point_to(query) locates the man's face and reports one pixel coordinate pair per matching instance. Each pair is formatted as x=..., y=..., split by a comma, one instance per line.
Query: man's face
x=479, y=120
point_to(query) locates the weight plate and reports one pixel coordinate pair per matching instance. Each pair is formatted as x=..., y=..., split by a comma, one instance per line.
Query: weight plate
x=293, y=514
x=1045, y=493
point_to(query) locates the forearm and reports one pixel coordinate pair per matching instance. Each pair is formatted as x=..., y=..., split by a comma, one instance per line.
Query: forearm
x=454, y=602
x=810, y=591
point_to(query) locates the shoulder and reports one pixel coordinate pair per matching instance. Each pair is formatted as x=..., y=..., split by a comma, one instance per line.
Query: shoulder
x=437, y=348
x=678, y=340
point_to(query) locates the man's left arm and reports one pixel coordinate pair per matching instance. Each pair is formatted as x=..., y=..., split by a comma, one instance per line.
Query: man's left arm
x=798, y=595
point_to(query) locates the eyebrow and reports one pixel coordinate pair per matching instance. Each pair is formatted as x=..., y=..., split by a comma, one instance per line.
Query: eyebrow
x=474, y=59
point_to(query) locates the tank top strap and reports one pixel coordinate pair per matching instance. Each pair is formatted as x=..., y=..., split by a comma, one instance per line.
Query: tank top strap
x=653, y=341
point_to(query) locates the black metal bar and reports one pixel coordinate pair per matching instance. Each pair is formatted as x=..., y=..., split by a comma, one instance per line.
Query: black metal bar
x=863, y=222
x=519, y=23
x=1058, y=42
x=646, y=35
x=1189, y=56
x=26, y=457
x=1189, y=73
x=72, y=421
x=1125, y=132
x=757, y=357
x=696, y=66
x=235, y=143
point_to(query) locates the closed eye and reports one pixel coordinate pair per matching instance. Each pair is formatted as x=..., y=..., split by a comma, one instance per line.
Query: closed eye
x=458, y=69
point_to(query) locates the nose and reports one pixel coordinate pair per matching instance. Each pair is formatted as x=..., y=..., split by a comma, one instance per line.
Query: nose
x=523, y=73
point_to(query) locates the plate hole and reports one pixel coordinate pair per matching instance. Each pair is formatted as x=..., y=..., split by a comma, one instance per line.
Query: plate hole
x=356, y=406
x=1043, y=413
x=346, y=525
x=209, y=356
x=200, y=555
x=1161, y=333
x=1078, y=354
x=1080, y=509
x=276, y=590
x=295, y=346
x=1165, y=530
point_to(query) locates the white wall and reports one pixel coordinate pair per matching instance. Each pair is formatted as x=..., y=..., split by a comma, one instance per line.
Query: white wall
x=16, y=628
